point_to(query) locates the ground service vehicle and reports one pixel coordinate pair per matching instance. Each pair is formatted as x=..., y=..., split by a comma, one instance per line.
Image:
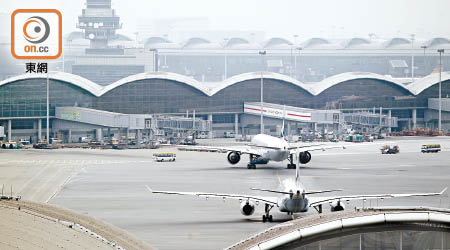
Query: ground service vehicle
x=160, y=157
x=431, y=148
x=390, y=149
x=11, y=145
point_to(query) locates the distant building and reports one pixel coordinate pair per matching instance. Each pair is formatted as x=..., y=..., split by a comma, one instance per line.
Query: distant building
x=105, y=62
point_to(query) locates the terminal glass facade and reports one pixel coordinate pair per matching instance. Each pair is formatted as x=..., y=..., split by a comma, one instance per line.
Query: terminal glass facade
x=153, y=96
x=28, y=98
x=366, y=93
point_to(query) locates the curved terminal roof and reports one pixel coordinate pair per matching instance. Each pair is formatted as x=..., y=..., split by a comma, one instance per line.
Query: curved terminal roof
x=121, y=37
x=156, y=40
x=396, y=41
x=277, y=42
x=312, y=227
x=437, y=42
x=237, y=42
x=157, y=75
x=312, y=42
x=422, y=84
x=257, y=75
x=160, y=43
x=317, y=43
x=211, y=89
x=78, y=81
x=355, y=42
x=200, y=43
x=336, y=79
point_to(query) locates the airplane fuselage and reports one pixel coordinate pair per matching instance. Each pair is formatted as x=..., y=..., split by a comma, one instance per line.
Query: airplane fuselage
x=261, y=141
x=293, y=205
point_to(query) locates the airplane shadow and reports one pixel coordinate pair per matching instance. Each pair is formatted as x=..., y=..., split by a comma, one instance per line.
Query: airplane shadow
x=243, y=168
x=267, y=168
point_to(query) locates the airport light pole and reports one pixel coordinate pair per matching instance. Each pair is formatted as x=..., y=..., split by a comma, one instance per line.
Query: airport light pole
x=290, y=71
x=155, y=59
x=295, y=61
x=226, y=58
x=424, y=47
x=412, y=57
x=262, y=53
x=440, y=88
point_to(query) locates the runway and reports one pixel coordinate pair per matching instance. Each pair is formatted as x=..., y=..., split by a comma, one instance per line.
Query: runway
x=115, y=191
x=109, y=185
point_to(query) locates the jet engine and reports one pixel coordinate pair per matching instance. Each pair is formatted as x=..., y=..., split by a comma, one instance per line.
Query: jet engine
x=247, y=208
x=304, y=157
x=337, y=206
x=233, y=157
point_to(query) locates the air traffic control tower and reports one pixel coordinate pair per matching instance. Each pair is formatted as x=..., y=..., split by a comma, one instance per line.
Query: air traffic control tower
x=106, y=60
x=99, y=22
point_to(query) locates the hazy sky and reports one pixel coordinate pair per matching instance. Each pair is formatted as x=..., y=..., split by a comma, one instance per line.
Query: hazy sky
x=307, y=18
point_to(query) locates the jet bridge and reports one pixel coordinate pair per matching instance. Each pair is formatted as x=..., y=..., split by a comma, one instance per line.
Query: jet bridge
x=78, y=119
x=291, y=113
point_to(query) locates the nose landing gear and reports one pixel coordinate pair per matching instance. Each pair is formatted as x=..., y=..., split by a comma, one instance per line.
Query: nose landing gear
x=267, y=216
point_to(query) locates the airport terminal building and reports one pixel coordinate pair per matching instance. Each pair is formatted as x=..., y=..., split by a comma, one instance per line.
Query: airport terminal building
x=23, y=100
x=104, y=71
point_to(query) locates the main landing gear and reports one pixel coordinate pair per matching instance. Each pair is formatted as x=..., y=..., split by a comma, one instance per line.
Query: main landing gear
x=318, y=208
x=267, y=216
x=291, y=164
x=251, y=165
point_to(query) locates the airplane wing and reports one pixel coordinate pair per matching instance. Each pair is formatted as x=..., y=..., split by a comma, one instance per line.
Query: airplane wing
x=241, y=149
x=293, y=149
x=315, y=201
x=265, y=199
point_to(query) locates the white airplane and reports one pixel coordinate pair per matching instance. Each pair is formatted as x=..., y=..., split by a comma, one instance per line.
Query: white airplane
x=264, y=148
x=292, y=199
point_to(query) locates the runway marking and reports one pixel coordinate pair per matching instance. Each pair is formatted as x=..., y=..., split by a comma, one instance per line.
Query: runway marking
x=71, y=162
x=406, y=165
x=345, y=168
x=45, y=183
x=74, y=171
x=193, y=235
x=33, y=178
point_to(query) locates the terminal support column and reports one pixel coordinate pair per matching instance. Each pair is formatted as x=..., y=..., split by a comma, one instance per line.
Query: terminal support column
x=390, y=122
x=138, y=137
x=9, y=130
x=414, y=118
x=39, y=129
x=69, y=140
x=381, y=119
x=210, y=134
x=99, y=134
x=236, y=125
